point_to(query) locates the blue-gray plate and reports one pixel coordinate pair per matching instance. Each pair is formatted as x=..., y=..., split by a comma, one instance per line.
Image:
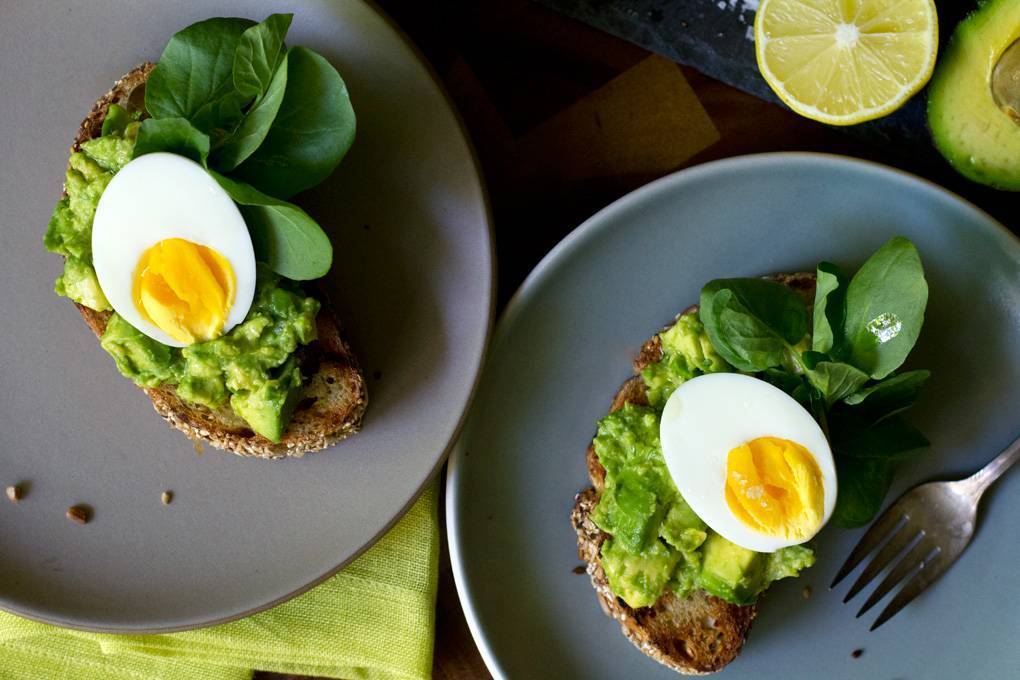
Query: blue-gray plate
x=411, y=282
x=565, y=344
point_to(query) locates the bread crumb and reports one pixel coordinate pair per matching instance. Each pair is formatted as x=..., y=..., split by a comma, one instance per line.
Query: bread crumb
x=198, y=447
x=166, y=497
x=857, y=653
x=806, y=592
x=79, y=514
x=14, y=493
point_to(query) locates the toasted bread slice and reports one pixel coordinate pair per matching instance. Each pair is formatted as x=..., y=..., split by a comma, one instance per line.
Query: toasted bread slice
x=696, y=635
x=334, y=395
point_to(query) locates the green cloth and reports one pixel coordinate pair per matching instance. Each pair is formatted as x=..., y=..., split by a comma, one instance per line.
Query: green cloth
x=373, y=620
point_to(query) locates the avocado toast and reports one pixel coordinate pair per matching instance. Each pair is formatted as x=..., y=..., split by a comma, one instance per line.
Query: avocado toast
x=305, y=390
x=716, y=467
x=696, y=634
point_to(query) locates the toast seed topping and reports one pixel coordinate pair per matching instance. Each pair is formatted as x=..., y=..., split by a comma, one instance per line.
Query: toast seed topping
x=79, y=514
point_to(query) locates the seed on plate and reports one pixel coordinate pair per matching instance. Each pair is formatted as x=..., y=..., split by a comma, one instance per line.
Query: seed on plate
x=166, y=497
x=14, y=493
x=79, y=514
x=857, y=653
x=806, y=592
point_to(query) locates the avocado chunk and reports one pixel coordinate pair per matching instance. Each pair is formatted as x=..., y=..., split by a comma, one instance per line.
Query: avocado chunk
x=638, y=578
x=681, y=528
x=974, y=96
x=268, y=407
x=686, y=353
x=730, y=572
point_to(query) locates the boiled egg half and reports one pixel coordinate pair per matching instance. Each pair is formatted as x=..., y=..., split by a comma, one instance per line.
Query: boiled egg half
x=749, y=460
x=172, y=252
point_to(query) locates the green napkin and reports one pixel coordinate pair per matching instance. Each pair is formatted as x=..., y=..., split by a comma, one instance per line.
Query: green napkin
x=373, y=620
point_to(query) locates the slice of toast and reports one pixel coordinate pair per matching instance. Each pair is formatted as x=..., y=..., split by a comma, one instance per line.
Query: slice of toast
x=334, y=395
x=695, y=635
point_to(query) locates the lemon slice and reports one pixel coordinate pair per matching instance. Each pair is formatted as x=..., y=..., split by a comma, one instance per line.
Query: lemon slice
x=846, y=61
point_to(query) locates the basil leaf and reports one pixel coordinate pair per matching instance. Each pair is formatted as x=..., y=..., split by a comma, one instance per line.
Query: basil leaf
x=174, y=135
x=829, y=308
x=752, y=322
x=312, y=132
x=867, y=457
x=885, y=304
x=284, y=236
x=195, y=71
x=255, y=126
x=891, y=396
x=116, y=119
x=258, y=55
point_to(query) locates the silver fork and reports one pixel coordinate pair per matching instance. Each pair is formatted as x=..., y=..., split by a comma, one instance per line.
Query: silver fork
x=933, y=523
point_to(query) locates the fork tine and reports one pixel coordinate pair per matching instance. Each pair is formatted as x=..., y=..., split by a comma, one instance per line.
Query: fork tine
x=928, y=574
x=902, y=539
x=921, y=552
x=889, y=523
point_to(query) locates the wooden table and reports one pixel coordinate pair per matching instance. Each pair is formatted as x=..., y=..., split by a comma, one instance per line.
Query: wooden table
x=536, y=90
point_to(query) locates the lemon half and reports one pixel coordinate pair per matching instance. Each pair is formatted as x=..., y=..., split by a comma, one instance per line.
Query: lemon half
x=846, y=61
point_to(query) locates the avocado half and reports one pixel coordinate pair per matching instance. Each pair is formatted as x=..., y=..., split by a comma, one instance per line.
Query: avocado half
x=978, y=132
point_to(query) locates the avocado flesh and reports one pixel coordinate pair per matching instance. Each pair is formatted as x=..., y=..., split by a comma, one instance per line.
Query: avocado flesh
x=971, y=125
x=730, y=572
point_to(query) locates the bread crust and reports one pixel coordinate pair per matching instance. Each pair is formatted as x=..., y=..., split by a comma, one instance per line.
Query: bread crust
x=696, y=635
x=334, y=395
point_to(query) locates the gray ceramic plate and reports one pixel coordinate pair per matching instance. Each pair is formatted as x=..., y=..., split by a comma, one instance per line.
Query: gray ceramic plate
x=412, y=281
x=565, y=344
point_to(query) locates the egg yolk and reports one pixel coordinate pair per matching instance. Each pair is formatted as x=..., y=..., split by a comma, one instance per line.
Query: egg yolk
x=775, y=487
x=184, y=289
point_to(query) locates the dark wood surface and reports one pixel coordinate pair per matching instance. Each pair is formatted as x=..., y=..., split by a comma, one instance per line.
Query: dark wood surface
x=524, y=78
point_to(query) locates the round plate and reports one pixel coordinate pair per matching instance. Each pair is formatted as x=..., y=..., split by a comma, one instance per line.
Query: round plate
x=565, y=344
x=411, y=283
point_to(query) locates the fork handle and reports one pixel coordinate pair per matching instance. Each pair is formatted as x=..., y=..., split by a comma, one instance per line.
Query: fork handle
x=982, y=479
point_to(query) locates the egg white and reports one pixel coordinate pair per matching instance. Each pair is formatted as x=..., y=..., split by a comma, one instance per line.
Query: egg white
x=160, y=196
x=708, y=416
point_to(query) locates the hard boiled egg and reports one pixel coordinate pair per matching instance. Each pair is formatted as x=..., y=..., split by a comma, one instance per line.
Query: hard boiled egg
x=172, y=252
x=749, y=460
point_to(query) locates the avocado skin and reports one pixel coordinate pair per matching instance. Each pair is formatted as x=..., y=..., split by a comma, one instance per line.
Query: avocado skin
x=978, y=139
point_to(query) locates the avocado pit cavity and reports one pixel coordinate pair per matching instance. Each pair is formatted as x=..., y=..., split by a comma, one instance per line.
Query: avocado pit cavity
x=1006, y=82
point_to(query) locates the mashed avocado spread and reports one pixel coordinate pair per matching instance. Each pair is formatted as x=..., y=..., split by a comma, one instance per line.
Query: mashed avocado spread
x=253, y=367
x=656, y=541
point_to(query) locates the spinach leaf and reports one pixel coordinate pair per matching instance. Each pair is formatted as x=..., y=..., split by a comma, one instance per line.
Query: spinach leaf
x=885, y=304
x=867, y=456
x=829, y=308
x=312, y=131
x=863, y=485
x=284, y=236
x=740, y=337
x=890, y=396
x=174, y=135
x=117, y=118
x=255, y=126
x=194, y=74
x=258, y=55
x=752, y=323
x=836, y=380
